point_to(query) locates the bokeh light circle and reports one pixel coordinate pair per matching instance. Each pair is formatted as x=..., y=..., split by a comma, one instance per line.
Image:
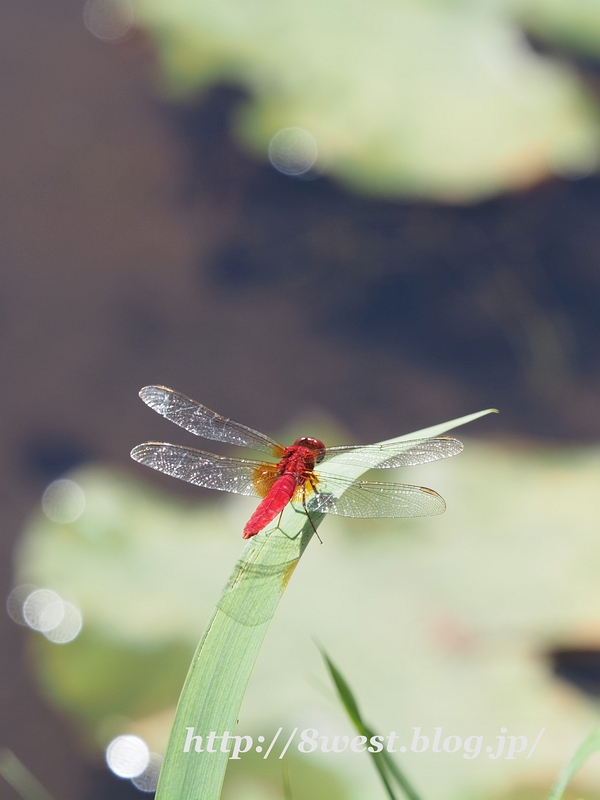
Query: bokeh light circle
x=68, y=628
x=108, y=20
x=127, y=756
x=43, y=610
x=147, y=781
x=63, y=501
x=293, y=151
x=16, y=600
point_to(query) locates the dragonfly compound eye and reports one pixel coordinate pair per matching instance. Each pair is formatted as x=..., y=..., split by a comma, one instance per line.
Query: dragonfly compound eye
x=313, y=444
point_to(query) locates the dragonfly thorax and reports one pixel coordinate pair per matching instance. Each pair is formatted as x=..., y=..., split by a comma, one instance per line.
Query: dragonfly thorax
x=299, y=460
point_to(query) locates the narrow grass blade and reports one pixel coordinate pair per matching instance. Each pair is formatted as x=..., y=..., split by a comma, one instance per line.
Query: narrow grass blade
x=20, y=778
x=587, y=748
x=385, y=765
x=287, y=783
x=214, y=688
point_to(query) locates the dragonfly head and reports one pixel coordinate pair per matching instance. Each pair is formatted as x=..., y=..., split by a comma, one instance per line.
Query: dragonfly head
x=316, y=445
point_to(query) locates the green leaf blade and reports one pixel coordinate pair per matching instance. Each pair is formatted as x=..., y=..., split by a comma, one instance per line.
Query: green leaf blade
x=385, y=766
x=222, y=665
x=586, y=749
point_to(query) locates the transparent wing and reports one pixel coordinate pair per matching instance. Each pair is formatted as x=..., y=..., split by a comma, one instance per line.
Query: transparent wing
x=251, y=478
x=198, y=419
x=365, y=499
x=396, y=454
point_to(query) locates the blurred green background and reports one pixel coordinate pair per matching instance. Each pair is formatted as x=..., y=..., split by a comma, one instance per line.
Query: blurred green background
x=342, y=221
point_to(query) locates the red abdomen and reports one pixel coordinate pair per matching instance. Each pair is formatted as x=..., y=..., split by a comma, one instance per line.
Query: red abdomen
x=279, y=496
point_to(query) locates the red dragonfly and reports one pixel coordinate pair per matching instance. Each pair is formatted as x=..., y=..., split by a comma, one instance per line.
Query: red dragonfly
x=293, y=477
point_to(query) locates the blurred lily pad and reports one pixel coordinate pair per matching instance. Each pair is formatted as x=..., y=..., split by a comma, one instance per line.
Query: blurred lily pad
x=143, y=606
x=431, y=99
x=439, y=621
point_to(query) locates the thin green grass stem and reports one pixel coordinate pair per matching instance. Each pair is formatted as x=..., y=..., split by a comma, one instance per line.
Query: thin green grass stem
x=20, y=778
x=586, y=749
x=384, y=764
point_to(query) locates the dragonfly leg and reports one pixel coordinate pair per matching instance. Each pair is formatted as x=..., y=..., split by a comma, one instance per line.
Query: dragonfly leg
x=306, y=510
